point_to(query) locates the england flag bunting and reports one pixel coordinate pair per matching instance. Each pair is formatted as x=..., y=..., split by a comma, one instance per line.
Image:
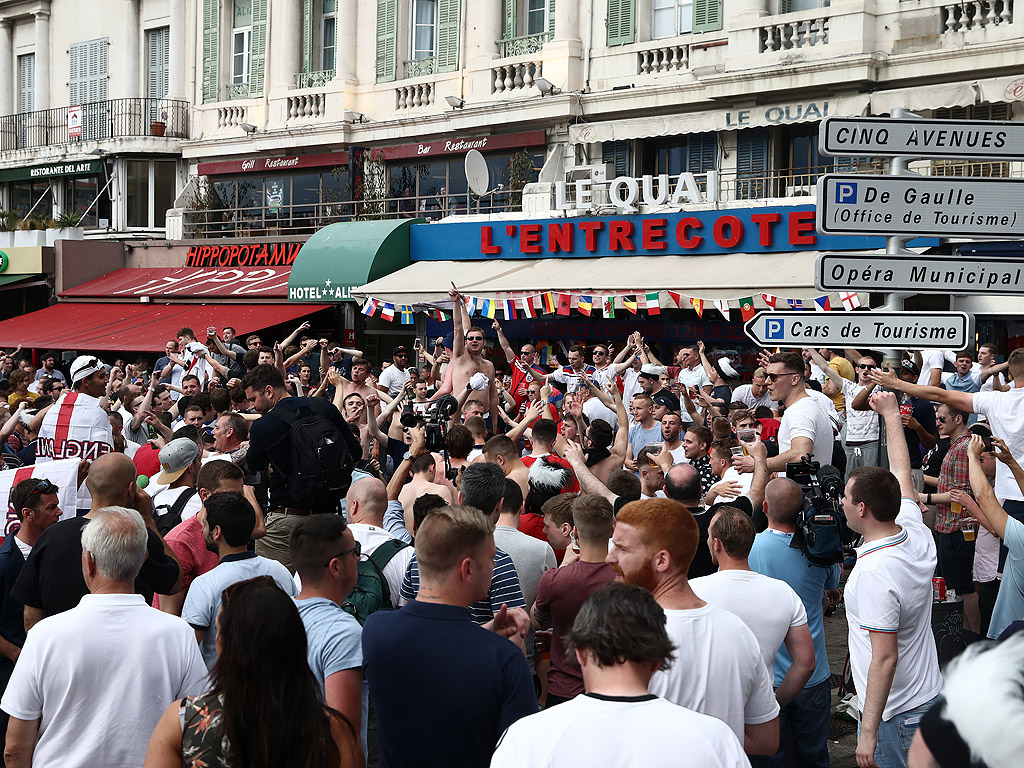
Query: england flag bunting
x=850, y=300
x=769, y=300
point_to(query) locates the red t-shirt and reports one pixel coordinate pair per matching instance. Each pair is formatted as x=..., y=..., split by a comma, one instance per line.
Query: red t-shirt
x=187, y=542
x=522, y=375
x=769, y=429
x=558, y=461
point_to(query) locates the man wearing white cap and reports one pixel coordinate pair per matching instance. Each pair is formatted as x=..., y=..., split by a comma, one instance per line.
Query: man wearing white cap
x=178, y=499
x=77, y=427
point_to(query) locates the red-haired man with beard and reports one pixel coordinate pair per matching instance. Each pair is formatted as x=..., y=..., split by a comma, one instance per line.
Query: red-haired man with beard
x=719, y=671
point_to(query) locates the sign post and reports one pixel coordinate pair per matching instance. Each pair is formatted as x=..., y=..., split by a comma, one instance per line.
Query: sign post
x=868, y=330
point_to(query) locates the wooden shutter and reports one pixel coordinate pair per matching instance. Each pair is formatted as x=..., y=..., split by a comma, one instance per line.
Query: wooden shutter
x=785, y=6
x=701, y=152
x=511, y=26
x=27, y=83
x=448, y=35
x=707, y=15
x=258, y=48
x=751, y=162
x=157, y=53
x=211, y=49
x=620, y=22
x=617, y=152
x=308, y=35
x=387, y=40
x=551, y=17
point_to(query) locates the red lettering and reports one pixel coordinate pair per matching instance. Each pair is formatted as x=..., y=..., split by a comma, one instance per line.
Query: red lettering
x=764, y=223
x=190, y=259
x=590, y=230
x=242, y=259
x=682, y=228
x=653, y=234
x=233, y=251
x=529, y=238
x=735, y=231
x=486, y=244
x=620, y=236
x=560, y=238
x=801, y=228
x=293, y=251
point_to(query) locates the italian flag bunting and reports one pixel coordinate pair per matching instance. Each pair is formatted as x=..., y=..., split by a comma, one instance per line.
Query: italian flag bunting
x=653, y=305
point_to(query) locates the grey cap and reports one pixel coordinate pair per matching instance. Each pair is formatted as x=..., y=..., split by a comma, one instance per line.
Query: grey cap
x=175, y=458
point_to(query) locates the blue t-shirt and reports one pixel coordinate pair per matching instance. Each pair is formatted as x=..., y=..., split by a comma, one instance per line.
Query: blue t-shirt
x=477, y=684
x=333, y=644
x=203, y=599
x=1010, y=602
x=772, y=556
x=504, y=589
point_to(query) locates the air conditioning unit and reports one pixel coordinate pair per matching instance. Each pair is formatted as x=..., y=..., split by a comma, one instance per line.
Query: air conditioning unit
x=599, y=175
x=800, y=190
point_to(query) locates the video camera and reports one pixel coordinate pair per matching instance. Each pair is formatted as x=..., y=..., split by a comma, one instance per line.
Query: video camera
x=435, y=431
x=821, y=528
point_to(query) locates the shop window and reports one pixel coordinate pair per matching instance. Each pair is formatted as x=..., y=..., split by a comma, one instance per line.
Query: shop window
x=79, y=194
x=149, y=191
x=26, y=194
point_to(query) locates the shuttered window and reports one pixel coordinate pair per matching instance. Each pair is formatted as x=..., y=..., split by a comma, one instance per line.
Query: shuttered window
x=448, y=35
x=751, y=163
x=707, y=15
x=328, y=35
x=701, y=152
x=87, y=85
x=258, y=53
x=617, y=152
x=27, y=83
x=157, y=54
x=620, y=22
x=387, y=40
x=211, y=49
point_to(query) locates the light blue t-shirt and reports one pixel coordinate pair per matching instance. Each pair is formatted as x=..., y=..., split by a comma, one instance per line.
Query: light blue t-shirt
x=1010, y=602
x=203, y=600
x=772, y=556
x=334, y=643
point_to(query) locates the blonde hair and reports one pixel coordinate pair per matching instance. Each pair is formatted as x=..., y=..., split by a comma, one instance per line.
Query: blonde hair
x=447, y=536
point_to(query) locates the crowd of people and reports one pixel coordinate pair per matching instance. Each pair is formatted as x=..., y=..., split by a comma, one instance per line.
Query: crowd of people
x=283, y=554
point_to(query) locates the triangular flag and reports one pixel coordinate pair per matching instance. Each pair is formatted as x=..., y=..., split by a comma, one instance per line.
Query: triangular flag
x=564, y=303
x=406, y=312
x=698, y=307
x=439, y=315
x=548, y=301
x=528, y=309
x=608, y=306
x=630, y=303
x=795, y=304
x=653, y=304
x=388, y=313
x=769, y=300
x=722, y=305
x=676, y=297
x=821, y=304
x=747, y=308
x=585, y=305
x=849, y=300
x=370, y=307
x=487, y=308
x=509, y=306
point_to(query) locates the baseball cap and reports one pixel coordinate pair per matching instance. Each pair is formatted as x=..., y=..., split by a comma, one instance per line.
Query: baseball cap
x=662, y=399
x=84, y=366
x=399, y=348
x=910, y=366
x=651, y=370
x=175, y=458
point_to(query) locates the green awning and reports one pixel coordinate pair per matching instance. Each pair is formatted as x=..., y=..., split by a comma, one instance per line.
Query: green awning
x=8, y=279
x=348, y=254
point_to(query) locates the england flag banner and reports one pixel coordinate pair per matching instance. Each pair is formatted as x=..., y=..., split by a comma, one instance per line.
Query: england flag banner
x=62, y=473
x=74, y=428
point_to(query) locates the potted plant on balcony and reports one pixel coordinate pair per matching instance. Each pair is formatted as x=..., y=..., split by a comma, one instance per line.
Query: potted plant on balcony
x=8, y=223
x=31, y=231
x=65, y=227
x=159, y=127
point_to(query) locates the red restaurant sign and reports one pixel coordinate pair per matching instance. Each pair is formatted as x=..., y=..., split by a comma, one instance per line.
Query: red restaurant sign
x=264, y=164
x=462, y=145
x=243, y=255
x=186, y=282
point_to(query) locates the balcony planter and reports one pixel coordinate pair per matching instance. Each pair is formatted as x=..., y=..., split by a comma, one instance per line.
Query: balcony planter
x=157, y=128
x=65, y=228
x=6, y=239
x=8, y=223
x=29, y=238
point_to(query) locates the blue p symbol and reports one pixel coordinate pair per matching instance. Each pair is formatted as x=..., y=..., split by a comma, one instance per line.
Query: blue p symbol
x=774, y=329
x=846, y=193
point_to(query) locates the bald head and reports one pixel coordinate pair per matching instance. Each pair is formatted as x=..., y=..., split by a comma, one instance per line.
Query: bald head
x=682, y=484
x=784, y=499
x=110, y=481
x=366, y=502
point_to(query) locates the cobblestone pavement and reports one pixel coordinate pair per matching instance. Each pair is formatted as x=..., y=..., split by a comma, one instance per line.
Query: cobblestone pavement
x=842, y=737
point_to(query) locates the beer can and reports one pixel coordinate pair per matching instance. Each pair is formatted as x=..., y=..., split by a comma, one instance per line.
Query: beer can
x=938, y=589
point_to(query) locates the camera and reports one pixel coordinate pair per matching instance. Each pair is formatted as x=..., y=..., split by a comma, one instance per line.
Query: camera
x=821, y=529
x=435, y=431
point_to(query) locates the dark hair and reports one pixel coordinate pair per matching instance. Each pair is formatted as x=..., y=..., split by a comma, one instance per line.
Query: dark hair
x=250, y=359
x=238, y=424
x=703, y=434
x=460, y=441
x=233, y=514
x=424, y=505
x=476, y=425
x=422, y=463
x=190, y=376
x=263, y=376
x=593, y=518
x=202, y=400
x=577, y=348
x=624, y=483
x=501, y=445
x=186, y=331
x=544, y=431
x=559, y=508
x=220, y=399
x=190, y=431
x=878, y=489
x=273, y=713
x=194, y=407
x=620, y=623
x=763, y=412
x=600, y=433
x=312, y=543
x=483, y=486
x=513, y=498
x=791, y=361
x=722, y=448
x=734, y=529
x=21, y=495
x=213, y=473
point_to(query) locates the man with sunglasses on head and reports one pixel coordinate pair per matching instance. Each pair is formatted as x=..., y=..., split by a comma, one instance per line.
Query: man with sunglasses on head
x=524, y=367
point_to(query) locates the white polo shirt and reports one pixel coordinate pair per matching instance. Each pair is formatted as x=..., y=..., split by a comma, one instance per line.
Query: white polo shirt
x=1005, y=412
x=890, y=590
x=807, y=418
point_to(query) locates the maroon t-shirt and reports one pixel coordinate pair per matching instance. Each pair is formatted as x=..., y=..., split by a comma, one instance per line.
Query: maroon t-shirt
x=561, y=593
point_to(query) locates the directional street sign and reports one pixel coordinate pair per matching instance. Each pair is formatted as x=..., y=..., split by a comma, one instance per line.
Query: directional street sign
x=957, y=274
x=850, y=204
x=900, y=137
x=865, y=330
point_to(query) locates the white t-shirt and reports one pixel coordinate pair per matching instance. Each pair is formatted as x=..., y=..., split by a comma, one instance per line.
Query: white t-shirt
x=987, y=384
x=745, y=394
x=890, y=590
x=630, y=384
x=933, y=359
x=694, y=377
x=595, y=409
x=807, y=418
x=769, y=607
x=111, y=653
x=678, y=454
x=394, y=379
x=861, y=426
x=166, y=497
x=1005, y=412
x=745, y=480
x=370, y=537
x=719, y=671
x=634, y=732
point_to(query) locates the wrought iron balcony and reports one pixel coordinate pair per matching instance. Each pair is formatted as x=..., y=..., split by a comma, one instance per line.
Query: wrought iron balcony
x=314, y=79
x=112, y=119
x=419, y=67
x=522, y=45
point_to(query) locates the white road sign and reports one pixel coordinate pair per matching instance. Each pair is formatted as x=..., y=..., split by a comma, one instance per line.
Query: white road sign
x=900, y=137
x=956, y=274
x=870, y=330
x=944, y=206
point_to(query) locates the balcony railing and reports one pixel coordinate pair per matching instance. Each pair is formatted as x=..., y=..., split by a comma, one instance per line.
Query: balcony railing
x=419, y=67
x=113, y=119
x=522, y=45
x=235, y=91
x=313, y=79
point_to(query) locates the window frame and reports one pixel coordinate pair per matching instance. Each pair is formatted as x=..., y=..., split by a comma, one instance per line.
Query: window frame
x=542, y=12
x=414, y=25
x=332, y=17
x=677, y=7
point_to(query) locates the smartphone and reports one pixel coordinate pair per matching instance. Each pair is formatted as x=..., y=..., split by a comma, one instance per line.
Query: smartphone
x=416, y=344
x=653, y=449
x=746, y=435
x=573, y=542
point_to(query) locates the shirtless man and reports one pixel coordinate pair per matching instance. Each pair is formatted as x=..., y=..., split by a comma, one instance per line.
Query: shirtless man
x=423, y=473
x=358, y=385
x=602, y=458
x=467, y=358
x=501, y=450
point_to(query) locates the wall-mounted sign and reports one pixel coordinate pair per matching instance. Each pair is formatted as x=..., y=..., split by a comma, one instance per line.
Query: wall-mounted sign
x=243, y=255
x=460, y=145
x=260, y=164
x=75, y=121
x=83, y=168
x=267, y=283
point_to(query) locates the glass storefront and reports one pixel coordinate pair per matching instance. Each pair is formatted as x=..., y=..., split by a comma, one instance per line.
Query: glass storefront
x=305, y=200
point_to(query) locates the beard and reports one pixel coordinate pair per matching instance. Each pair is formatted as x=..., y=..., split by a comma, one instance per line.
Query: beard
x=643, y=576
x=211, y=546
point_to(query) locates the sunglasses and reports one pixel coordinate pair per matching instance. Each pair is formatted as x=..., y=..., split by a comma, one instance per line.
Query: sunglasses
x=358, y=549
x=773, y=377
x=866, y=367
x=44, y=487
x=599, y=352
x=474, y=338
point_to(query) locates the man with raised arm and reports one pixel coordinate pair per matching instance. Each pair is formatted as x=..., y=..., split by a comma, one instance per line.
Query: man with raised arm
x=524, y=367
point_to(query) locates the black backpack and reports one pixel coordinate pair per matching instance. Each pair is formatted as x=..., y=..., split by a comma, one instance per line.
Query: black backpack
x=371, y=592
x=171, y=517
x=321, y=467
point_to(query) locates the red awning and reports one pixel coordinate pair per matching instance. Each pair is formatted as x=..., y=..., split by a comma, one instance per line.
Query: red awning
x=137, y=327
x=238, y=283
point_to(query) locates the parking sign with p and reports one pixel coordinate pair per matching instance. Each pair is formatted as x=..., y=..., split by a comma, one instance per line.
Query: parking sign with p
x=774, y=328
x=846, y=193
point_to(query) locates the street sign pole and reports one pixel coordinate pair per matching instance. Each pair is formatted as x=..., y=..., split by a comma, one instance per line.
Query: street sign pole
x=896, y=245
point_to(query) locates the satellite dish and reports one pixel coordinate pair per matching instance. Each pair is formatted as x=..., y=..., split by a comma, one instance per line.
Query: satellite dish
x=554, y=166
x=477, y=175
